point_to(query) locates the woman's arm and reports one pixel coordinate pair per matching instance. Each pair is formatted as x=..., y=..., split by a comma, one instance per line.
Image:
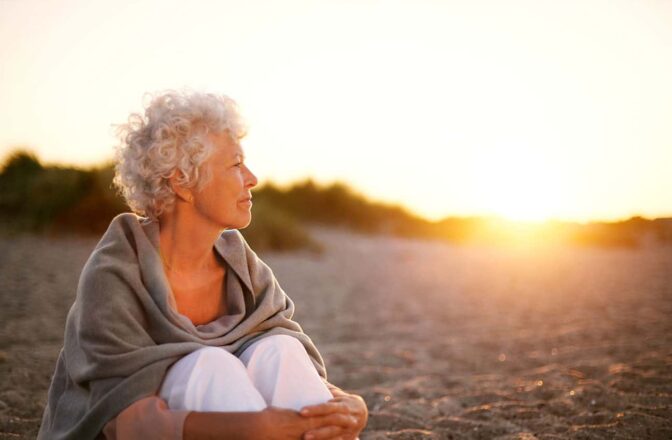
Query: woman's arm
x=269, y=424
x=146, y=419
x=214, y=425
x=150, y=418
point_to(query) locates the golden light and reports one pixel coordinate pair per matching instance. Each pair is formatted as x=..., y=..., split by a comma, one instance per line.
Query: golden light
x=521, y=185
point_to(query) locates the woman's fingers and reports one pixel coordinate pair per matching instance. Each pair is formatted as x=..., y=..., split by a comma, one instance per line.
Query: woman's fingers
x=344, y=422
x=342, y=418
x=328, y=432
x=324, y=409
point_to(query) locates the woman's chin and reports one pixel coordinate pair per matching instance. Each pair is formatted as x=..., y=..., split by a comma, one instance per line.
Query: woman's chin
x=244, y=222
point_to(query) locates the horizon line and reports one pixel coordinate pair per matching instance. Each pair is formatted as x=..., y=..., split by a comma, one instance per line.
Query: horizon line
x=359, y=192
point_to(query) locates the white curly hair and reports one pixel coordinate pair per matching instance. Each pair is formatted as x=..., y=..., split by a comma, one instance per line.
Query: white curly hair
x=170, y=138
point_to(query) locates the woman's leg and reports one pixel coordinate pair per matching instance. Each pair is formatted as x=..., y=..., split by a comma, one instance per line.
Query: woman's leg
x=283, y=373
x=210, y=379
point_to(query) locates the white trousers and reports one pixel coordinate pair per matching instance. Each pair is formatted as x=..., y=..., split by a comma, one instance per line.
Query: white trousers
x=274, y=371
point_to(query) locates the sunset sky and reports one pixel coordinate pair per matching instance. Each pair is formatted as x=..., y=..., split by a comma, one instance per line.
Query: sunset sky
x=525, y=109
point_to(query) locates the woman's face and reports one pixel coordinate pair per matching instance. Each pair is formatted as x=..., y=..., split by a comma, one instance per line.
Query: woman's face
x=226, y=199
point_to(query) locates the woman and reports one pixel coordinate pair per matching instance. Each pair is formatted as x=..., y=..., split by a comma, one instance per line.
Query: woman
x=179, y=330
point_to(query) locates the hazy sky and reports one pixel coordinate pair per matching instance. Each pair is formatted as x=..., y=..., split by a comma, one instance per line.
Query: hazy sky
x=527, y=109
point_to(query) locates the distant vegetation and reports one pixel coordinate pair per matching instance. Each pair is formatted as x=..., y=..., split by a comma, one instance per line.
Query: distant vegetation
x=47, y=199
x=55, y=200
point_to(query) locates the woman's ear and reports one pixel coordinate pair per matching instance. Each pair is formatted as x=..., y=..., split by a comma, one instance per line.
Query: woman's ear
x=180, y=191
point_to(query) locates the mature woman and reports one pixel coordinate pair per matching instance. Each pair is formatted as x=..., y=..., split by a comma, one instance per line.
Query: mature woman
x=179, y=330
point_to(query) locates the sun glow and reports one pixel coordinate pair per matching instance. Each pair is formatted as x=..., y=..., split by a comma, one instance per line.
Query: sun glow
x=519, y=185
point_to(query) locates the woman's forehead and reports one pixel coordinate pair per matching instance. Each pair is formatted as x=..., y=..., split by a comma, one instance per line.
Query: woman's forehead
x=226, y=148
x=225, y=156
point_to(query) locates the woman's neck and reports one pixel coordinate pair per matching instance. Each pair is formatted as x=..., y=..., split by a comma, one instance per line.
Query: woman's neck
x=186, y=243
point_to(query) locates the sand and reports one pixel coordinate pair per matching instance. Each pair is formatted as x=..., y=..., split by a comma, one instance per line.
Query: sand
x=442, y=341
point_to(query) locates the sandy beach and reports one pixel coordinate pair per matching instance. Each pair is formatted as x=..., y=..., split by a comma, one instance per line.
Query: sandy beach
x=442, y=341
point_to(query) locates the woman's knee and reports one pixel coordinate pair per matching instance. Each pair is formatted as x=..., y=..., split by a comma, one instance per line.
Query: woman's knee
x=280, y=344
x=214, y=361
x=211, y=379
x=204, y=364
x=275, y=349
x=283, y=372
x=222, y=384
x=213, y=356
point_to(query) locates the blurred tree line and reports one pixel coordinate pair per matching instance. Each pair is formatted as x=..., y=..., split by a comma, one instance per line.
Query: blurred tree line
x=55, y=200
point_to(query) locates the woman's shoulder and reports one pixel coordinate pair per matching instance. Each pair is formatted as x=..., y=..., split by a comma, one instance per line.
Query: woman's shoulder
x=122, y=244
x=125, y=223
x=127, y=229
x=113, y=277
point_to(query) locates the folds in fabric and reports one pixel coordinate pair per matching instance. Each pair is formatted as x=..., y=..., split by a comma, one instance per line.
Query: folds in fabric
x=123, y=331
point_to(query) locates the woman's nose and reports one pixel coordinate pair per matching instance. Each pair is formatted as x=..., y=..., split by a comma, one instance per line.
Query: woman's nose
x=251, y=178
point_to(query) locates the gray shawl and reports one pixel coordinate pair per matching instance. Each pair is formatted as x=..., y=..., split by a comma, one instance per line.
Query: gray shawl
x=123, y=332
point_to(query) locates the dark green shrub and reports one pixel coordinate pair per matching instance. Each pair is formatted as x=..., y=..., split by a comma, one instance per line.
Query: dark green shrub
x=31, y=196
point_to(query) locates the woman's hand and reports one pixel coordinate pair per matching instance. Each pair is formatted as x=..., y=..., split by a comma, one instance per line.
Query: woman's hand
x=349, y=405
x=285, y=424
